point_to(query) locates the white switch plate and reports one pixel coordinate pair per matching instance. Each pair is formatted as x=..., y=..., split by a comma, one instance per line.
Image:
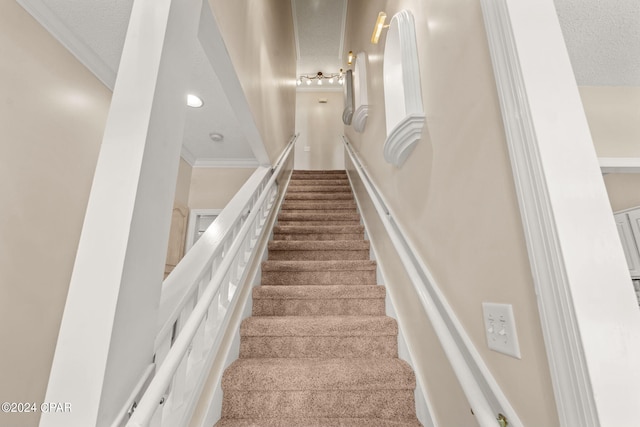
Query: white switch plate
x=307, y=148
x=500, y=327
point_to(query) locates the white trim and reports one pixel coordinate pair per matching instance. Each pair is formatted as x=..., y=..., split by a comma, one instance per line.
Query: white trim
x=225, y=163
x=403, y=96
x=619, y=164
x=587, y=314
x=360, y=93
x=191, y=225
x=478, y=384
x=316, y=88
x=187, y=155
x=343, y=29
x=87, y=56
x=424, y=406
x=295, y=29
x=217, y=54
x=403, y=138
x=567, y=364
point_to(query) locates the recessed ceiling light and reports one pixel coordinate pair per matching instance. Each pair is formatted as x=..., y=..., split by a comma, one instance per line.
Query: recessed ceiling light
x=216, y=137
x=194, y=101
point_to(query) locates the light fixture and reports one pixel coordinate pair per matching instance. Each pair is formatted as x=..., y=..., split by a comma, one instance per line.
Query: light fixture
x=378, y=28
x=194, y=101
x=319, y=77
x=216, y=137
x=350, y=58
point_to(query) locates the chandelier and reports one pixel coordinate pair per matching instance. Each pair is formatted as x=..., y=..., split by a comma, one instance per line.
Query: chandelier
x=320, y=76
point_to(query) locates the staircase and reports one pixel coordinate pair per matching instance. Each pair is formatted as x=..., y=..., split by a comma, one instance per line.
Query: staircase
x=318, y=349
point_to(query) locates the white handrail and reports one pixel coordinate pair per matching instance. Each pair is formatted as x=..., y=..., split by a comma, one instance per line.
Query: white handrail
x=483, y=393
x=207, y=307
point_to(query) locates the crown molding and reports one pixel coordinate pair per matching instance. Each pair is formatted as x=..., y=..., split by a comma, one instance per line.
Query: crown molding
x=619, y=164
x=226, y=163
x=87, y=56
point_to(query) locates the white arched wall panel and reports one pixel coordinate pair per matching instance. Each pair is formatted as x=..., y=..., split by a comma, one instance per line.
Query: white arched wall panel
x=360, y=93
x=347, y=115
x=403, y=97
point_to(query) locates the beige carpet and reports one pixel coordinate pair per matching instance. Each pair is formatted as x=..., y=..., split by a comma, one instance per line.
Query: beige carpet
x=318, y=349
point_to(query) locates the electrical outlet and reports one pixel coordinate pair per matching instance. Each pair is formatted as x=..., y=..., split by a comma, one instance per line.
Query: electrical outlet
x=500, y=327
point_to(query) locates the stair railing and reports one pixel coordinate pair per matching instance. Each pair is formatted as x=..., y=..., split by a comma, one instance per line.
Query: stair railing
x=480, y=388
x=197, y=302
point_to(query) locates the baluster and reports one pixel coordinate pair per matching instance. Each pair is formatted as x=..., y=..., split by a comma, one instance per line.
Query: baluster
x=212, y=317
x=224, y=290
x=163, y=348
x=156, y=420
x=198, y=349
x=178, y=385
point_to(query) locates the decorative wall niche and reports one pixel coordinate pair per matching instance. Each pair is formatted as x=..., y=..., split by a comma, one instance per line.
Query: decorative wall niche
x=360, y=93
x=347, y=114
x=402, y=93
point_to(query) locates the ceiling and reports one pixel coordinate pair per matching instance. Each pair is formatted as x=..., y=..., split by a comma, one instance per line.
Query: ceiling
x=602, y=37
x=603, y=40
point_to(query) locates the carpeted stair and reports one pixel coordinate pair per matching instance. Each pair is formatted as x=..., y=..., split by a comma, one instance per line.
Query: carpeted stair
x=318, y=349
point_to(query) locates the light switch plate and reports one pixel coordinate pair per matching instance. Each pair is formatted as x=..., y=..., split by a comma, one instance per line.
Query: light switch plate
x=307, y=148
x=500, y=327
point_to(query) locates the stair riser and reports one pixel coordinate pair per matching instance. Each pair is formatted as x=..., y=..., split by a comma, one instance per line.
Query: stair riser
x=319, y=307
x=317, y=347
x=318, y=189
x=322, y=213
x=319, y=210
x=397, y=404
x=319, y=196
x=317, y=422
x=317, y=223
x=319, y=217
x=318, y=255
x=358, y=277
x=300, y=182
x=327, y=205
x=324, y=237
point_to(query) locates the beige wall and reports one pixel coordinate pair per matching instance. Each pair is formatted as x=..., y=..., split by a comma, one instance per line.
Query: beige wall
x=320, y=127
x=212, y=188
x=52, y=115
x=455, y=196
x=623, y=190
x=183, y=185
x=613, y=113
x=260, y=40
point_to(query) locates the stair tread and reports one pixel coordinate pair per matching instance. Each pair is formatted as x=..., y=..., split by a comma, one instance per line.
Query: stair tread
x=318, y=326
x=325, y=245
x=335, y=265
x=319, y=292
x=319, y=374
x=319, y=195
x=326, y=229
x=318, y=422
x=325, y=216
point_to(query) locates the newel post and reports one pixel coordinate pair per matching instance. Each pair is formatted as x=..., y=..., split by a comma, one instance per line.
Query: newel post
x=109, y=322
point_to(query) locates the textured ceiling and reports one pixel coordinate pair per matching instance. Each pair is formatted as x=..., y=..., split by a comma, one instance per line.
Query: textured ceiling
x=603, y=40
x=320, y=27
x=602, y=37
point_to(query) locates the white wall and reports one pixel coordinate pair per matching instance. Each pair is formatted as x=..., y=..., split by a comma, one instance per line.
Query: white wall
x=320, y=127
